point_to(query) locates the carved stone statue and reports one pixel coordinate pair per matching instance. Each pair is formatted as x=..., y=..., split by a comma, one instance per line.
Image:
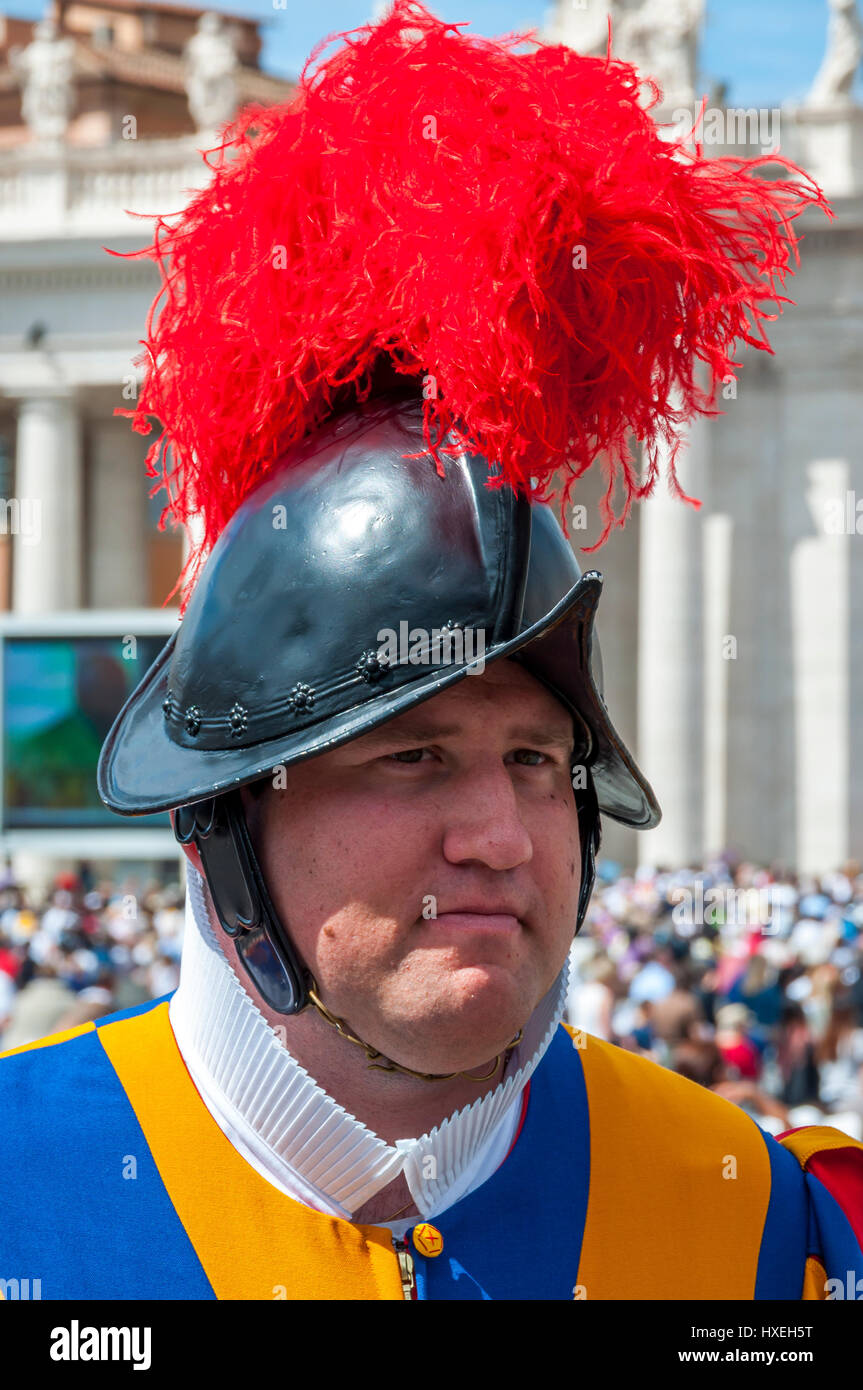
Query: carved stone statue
x=211, y=64
x=46, y=66
x=582, y=24
x=661, y=38
x=381, y=10
x=835, y=80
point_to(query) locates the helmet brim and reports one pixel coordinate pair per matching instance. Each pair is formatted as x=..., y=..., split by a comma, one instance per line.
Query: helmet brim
x=142, y=771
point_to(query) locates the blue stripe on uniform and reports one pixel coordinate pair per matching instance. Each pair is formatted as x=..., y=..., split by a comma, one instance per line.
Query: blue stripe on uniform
x=492, y=1249
x=782, y=1258
x=840, y=1250
x=68, y=1216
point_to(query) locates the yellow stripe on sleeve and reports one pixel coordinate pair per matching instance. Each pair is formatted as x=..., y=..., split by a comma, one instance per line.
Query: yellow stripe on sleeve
x=679, y=1185
x=813, y=1139
x=51, y=1039
x=814, y=1281
x=252, y=1240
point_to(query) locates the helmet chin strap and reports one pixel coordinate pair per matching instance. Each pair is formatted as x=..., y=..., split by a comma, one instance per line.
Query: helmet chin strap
x=378, y=1062
x=217, y=827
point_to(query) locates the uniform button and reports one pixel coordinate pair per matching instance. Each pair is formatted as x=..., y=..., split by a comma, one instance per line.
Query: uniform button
x=428, y=1239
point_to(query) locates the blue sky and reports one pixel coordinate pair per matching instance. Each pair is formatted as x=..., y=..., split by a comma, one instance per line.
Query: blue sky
x=768, y=51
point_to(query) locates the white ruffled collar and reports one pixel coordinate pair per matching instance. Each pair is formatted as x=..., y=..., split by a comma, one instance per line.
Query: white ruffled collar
x=291, y=1130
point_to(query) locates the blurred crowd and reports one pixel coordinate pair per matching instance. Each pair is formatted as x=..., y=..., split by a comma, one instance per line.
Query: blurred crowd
x=747, y=980
x=86, y=952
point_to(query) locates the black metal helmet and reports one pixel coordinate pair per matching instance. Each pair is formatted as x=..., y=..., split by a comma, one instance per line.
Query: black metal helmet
x=282, y=654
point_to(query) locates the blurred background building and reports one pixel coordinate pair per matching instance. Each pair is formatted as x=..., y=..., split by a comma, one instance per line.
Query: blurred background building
x=732, y=636
x=104, y=109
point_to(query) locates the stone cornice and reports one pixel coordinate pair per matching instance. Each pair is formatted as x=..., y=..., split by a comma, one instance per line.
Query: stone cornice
x=112, y=275
x=73, y=191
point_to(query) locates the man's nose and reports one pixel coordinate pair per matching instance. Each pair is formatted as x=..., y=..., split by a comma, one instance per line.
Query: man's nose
x=483, y=820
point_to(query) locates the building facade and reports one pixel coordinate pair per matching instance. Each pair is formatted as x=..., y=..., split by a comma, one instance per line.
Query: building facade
x=104, y=111
x=731, y=635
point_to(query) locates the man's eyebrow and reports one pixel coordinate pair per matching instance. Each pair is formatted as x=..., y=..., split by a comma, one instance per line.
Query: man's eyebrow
x=421, y=731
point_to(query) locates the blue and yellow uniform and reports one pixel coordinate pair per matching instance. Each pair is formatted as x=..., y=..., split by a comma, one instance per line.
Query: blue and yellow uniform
x=626, y=1182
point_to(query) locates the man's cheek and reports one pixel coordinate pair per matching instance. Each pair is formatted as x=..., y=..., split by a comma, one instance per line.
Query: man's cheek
x=353, y=947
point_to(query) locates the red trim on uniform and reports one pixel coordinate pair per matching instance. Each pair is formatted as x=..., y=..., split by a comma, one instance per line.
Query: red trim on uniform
x=524, y=1099
x=841, y=1172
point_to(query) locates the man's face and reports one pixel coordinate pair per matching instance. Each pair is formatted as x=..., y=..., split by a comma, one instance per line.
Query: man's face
x=429, y=871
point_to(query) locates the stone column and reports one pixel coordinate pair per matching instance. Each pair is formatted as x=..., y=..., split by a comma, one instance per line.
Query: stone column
x=116, y=518
x=752, y=482
x=47, y=556
x=48, y=568
x=616, y=628
x=821, y=663
x=718, y=539
x=671, y=659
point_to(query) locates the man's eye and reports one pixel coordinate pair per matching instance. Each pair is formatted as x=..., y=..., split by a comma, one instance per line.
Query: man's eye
x=527, y=757
x=531, y=753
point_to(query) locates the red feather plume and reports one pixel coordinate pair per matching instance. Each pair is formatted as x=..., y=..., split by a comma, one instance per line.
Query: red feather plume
x=420, y=202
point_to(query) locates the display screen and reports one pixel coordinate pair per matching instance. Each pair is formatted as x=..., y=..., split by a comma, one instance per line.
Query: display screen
x=60, y=698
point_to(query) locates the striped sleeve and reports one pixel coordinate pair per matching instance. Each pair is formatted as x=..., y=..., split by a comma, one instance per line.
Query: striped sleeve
x=833, y=1166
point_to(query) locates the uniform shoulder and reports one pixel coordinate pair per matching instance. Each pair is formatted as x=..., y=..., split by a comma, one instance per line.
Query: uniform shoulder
x=833, y=1164
x=51, y=1040
x=664, y=1103
x=53, y=1075
x=53, y=1093
x=691, y=1174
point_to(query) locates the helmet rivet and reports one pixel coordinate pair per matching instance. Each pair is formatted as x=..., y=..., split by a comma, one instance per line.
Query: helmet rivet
x=238, y=719
x=193, y=719
x=371, y=666
x=302, y=697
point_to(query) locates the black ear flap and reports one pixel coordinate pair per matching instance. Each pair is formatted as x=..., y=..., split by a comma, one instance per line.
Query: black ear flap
x=218, y=828
x=590, y=834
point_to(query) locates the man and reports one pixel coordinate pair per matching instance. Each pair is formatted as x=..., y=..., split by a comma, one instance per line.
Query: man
x=381, y=732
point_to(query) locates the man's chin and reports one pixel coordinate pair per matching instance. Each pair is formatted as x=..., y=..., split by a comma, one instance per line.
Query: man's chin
x=467, y=1027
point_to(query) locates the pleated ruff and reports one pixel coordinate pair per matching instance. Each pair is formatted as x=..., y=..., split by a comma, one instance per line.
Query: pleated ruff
x=294, y=1133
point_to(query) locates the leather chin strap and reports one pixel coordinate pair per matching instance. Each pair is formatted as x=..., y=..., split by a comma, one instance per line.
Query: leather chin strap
x=217, y=827
x=378, y=1062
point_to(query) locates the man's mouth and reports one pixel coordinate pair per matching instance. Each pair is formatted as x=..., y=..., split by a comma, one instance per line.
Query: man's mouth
x=474, y=917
